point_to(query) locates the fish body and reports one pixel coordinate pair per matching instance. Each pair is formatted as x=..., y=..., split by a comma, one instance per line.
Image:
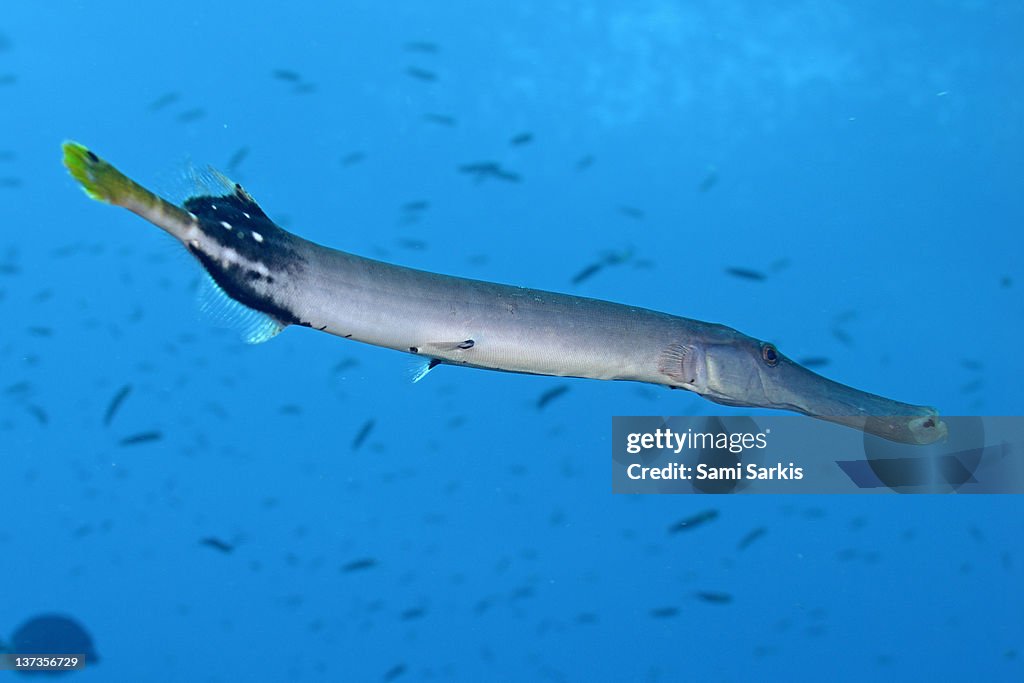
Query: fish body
x=289, y=280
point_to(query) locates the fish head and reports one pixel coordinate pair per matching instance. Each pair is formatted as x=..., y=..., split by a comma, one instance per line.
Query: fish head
x=742, y=371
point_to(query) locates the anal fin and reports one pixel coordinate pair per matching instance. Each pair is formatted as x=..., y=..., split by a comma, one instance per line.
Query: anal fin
x=421, y=370
x=254, y=327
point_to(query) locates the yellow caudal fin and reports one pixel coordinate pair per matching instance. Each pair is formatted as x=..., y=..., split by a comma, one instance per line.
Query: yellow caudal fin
x=99, y=179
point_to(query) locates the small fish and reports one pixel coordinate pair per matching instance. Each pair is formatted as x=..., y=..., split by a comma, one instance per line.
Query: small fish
x=502, y=174
x=588, y=272
x=709, y=181
x=22, y=388
x=441, y=119
x=522, y=593
x=141, y=438
x=115, y=404
x=363, y=433
x=190, y=115
x=411, y=244
x=610, y=258
x=67, y=250
x=39, y=414
x=422, y=46
x=550, y=395
x=359, y=565
x=287, y=75
x=217, y=544
x=972, y=365
x=394, y=672
x=847, y=554
x=746, y=274
x=415, y=206
x=479, y=167
x=352, y=158
x=664, y=612
x=39, y=331
x=521, y=139
x=614, y=258
x=750, y=537
x=344, y=364
x=488, y=169
x=7, y=155
x=10, y=182
x=412, y=613
x=163, y=101
x=714, y=597
x=8, y=79
x=694, y=521
x=421, y=74
x=584, y=162
x=842, y=336
x=632, y=212
x=237, y=158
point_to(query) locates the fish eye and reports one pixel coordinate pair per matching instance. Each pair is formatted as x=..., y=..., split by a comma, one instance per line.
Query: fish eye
x=770, y=355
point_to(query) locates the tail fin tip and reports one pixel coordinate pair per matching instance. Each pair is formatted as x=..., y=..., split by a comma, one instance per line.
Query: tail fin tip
x=99, y=179
x=83, y=164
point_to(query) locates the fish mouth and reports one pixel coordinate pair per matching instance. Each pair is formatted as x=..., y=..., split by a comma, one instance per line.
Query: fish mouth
x=917, y=430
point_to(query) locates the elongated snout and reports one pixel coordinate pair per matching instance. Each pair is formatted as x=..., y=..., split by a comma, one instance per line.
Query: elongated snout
x=744, y=371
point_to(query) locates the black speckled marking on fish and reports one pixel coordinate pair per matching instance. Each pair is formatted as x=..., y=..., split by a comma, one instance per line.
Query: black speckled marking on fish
x=236, y=222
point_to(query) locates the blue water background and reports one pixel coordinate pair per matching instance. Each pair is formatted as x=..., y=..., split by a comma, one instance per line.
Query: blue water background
x=866, y=156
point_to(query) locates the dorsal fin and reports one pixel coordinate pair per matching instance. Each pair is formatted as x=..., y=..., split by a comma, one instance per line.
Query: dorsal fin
x=216, y=189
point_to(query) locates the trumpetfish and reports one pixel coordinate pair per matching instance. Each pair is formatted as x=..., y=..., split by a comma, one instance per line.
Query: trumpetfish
x=280, y=279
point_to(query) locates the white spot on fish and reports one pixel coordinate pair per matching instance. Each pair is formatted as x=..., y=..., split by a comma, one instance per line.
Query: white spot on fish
x=213, y=206
x=194, y=217
x=256, y=236
x=228, y=256
x=225, y=225
x=246, y=215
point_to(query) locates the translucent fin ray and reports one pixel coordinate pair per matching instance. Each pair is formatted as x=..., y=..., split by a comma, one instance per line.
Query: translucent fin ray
x=422, y=369
x=253, y=326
